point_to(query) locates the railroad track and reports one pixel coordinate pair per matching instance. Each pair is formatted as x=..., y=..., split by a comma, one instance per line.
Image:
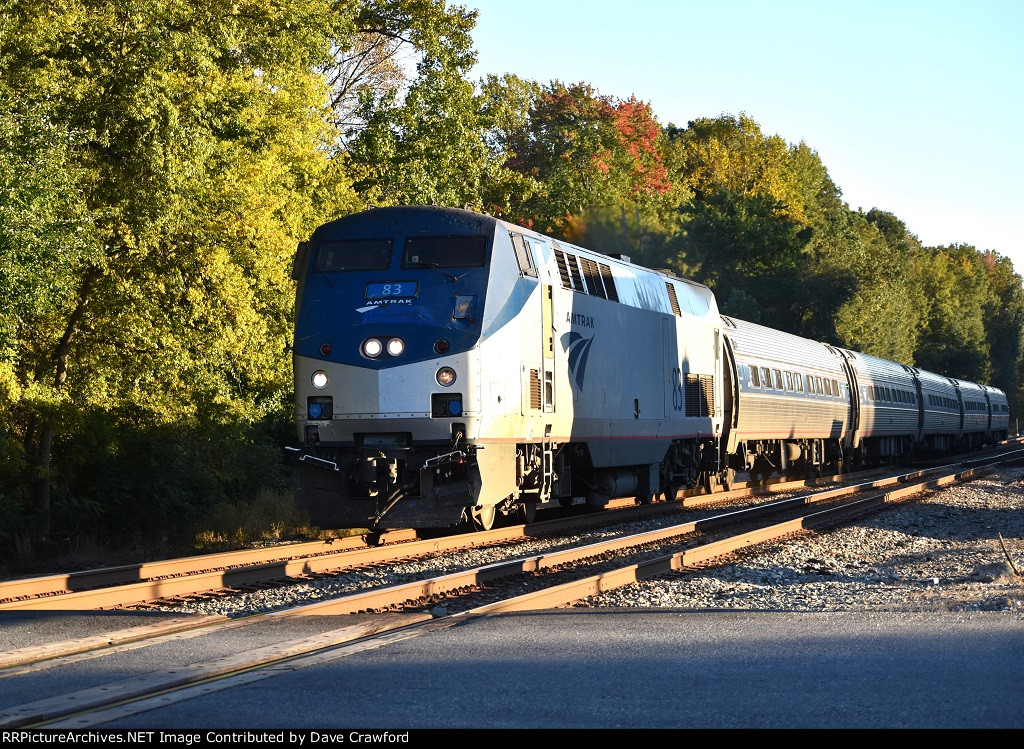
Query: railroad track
x=556, y=579
x=231, y=573
x=172, y=579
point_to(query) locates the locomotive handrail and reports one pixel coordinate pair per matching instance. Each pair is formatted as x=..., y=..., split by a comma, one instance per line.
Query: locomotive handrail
x=438, y=458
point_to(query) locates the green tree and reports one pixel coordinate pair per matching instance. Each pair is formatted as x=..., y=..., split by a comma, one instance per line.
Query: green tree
x=504, y=103
x=883, y=312
x=1004, y=322
x=419, y=139
x=196, y=136
x=953, y=340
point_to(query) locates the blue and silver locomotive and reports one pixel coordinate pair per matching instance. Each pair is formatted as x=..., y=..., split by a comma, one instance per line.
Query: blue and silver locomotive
x=451, y=367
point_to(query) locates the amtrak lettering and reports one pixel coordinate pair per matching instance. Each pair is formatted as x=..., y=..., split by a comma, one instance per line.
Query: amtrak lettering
x=575, y=318
x=379, y=302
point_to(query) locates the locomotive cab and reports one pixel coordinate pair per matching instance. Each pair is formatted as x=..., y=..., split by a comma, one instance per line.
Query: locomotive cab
x=389, y=313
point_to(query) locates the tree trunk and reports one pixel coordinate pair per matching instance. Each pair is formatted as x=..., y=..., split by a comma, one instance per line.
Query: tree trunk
x=41, y=484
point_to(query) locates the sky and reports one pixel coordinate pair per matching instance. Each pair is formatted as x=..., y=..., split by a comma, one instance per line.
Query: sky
x=914, y=107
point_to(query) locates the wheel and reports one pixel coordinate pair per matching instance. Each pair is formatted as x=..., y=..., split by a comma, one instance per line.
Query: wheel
x=644, y=499
x=526, y=512
x=482, y=517
x=671, y=492
x=728, y=478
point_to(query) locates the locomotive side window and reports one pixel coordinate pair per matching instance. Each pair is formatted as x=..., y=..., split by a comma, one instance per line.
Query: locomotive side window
x=523, y=256
x=445, y=252
x=353, y=254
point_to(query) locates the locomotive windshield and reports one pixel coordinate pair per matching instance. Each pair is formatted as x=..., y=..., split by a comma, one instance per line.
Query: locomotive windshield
x=445, y=252
x=354, y=254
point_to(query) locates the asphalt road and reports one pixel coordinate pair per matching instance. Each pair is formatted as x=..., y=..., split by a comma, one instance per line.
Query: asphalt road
x=608, y=668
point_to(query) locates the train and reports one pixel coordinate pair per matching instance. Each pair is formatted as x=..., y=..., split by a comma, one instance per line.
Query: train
x=454, y=370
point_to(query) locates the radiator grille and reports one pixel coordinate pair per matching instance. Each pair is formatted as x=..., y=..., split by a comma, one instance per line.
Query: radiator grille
x=563, y=270
x=593, y=276
x=535, y=389
x=609, y=282
x=699, y=395
x=673, y=300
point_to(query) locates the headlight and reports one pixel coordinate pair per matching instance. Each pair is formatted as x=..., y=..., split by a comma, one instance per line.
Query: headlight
x=319, y=379
x=372, y=348
x=445, y=376
x=396, y=346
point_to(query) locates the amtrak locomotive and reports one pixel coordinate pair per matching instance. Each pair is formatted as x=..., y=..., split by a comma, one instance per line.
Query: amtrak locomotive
x=454, y=368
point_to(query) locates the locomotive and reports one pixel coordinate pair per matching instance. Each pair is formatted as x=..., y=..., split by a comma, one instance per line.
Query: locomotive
x=452, y=368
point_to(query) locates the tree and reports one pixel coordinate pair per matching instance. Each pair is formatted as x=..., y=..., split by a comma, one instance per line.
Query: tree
x=1004, y=324
x=746, y=243
x=953, y=341
x=196, y=139
x=587, y=153
x=418, y=139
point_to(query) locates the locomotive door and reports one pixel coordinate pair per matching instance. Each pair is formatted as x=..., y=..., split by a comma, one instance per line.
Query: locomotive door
x=548, y=336
x=538, y=373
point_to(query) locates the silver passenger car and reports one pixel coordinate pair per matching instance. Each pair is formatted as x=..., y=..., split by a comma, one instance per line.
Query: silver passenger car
x=791, y=406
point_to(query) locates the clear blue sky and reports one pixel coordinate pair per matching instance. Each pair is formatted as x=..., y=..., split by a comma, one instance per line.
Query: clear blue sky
x=915, y=107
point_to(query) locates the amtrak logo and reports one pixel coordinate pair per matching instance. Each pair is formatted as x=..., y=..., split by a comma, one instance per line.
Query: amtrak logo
x=578, y=349
x=377, y=303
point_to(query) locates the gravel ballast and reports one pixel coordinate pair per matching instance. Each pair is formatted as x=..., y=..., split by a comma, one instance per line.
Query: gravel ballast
x=942, y=552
